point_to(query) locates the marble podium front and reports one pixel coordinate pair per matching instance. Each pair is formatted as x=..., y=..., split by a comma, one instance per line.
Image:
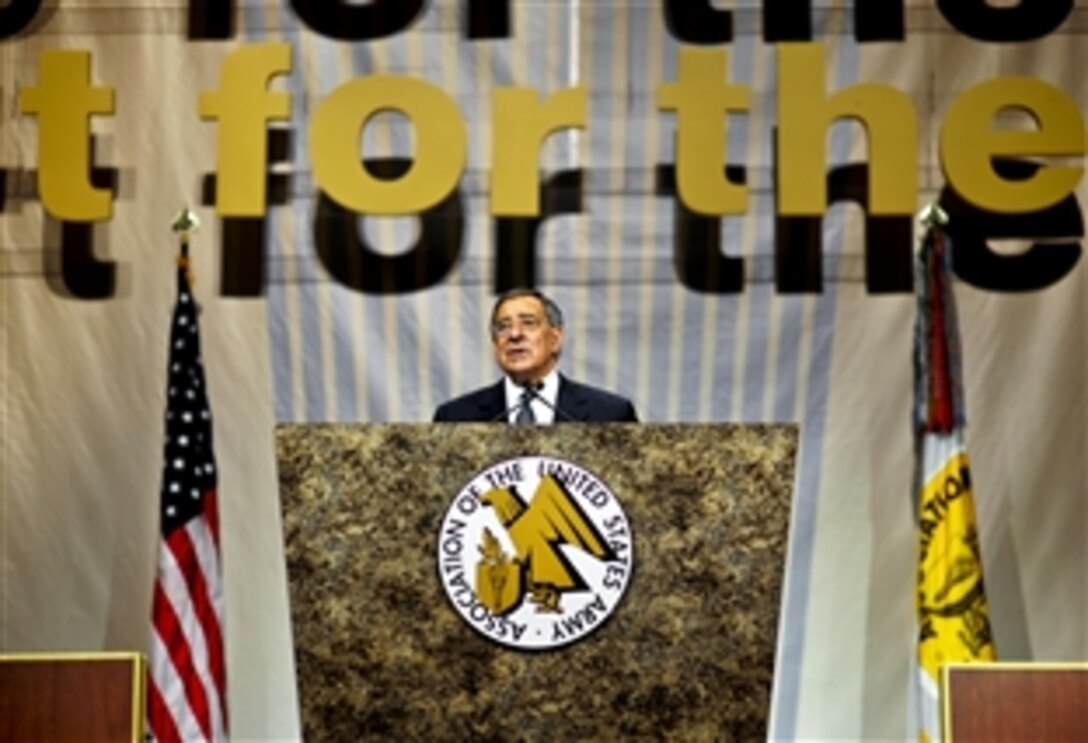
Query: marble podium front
x=687, y=655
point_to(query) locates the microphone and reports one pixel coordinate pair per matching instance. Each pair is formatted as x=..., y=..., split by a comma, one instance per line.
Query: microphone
x=505, y=415
x=531, y=389
x=534, y=391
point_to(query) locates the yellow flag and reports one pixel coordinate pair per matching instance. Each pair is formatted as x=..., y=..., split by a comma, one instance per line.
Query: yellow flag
x=953, y=616
x=950, y=600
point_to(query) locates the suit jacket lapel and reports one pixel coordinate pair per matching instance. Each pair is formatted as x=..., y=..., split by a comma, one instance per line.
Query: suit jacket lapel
x=493, y=404
x=571, y=402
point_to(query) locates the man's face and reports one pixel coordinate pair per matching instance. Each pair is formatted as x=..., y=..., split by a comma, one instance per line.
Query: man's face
x=526, y=344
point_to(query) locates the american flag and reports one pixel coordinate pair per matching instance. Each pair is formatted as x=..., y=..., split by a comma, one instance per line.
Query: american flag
x=186, y=697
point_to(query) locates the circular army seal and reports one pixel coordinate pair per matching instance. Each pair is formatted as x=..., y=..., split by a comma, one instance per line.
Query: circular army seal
x=535, y=552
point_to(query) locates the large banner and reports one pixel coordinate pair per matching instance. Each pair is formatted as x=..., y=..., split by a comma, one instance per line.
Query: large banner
x=721, y=196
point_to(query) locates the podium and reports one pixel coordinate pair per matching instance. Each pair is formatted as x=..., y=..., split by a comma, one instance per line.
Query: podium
x=72, y=697
x=687, y=653
x=1021, y=702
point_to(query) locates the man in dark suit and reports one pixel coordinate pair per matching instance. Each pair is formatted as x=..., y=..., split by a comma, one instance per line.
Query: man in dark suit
x=527, y=336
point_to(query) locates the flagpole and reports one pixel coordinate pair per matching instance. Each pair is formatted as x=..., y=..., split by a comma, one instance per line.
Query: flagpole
x=185, y=224
x=952, y=614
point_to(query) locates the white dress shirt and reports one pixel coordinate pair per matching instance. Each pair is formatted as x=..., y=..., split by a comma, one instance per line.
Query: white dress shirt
x=543, y=411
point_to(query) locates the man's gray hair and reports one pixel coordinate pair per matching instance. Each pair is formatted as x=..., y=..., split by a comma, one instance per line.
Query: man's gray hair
x=551, y=309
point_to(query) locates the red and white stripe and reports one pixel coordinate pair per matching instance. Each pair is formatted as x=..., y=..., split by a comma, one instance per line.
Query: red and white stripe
x=187, y=673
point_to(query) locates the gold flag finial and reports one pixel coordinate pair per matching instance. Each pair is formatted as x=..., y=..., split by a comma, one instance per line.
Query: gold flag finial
x=933, y=216
x=185, y=223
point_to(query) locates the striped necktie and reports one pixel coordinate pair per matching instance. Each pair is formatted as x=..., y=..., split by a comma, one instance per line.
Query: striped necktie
x=525, y=416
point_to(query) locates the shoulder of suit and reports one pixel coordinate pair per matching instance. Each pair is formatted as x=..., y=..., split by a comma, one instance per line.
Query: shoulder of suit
x=466, y=404
x=596, y=392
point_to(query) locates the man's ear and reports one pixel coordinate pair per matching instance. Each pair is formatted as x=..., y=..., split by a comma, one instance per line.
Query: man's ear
x=557, y=342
